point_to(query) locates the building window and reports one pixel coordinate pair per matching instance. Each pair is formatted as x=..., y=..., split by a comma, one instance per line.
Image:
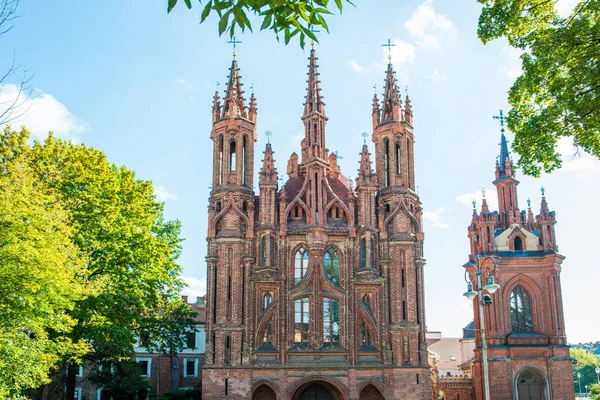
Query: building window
x=332, y=265
x=301, y=264
x=331, y=320
x=268, y=332
x=232, y=156
x=190, y=367
x=520, y=310
x=386, y=162
x=201, y=339
x=145, y=366
x=103, y=394
x=263, y=251
x=398, y=159
x=267, y=299
x=190, y=340
x=518, y=244
x=244, y=160
x=227, y=360
x=372, y=242
x=363, y=253
x=79, y=372
x=271, y=251
x=220, y=161
x=77, y=394
x=366, y=301
x=301, y=320
x=366, y=339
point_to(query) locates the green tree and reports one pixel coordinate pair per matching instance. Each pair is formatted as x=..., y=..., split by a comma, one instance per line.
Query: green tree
x=287, y=17
x=167, y=329
x=558, y=93
x=585, y=364
x=122, y=380
x=41, y=273
x=130, y=249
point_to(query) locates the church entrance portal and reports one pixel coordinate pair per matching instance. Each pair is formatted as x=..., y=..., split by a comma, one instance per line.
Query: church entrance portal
x=530, y=386
x=264, y=393
x=317, y=391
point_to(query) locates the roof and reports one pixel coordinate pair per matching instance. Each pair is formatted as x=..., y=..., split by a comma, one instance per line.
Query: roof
x=292, y=187
x=339, y=185
x=469, y=331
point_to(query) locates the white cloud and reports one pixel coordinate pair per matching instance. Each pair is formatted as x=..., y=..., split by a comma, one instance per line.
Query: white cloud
x=41, y=113
x=435, y=77
x=578, y=163
x=511, y=73
x=162, y=194
x=402, y=52
x=298, y=137
x=436, y=218
x=196, y=287
x=356, y=66
x=427, y=26
x=490, y=195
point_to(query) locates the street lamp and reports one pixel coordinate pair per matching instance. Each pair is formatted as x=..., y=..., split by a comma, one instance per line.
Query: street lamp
x=586, y=386
x=470, y=294
x=579, y=380
x=598, y=375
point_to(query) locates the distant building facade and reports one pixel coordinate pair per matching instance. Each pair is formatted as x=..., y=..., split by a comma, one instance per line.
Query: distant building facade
x=527, y=346
x=315, y=288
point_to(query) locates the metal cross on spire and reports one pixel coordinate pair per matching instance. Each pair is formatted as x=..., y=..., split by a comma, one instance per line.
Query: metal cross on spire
x=268, y=134
x=364, y=135
x=389, y=45
x=502, y=119
x=338, y=156
x=313, y=30
x=234, y=43
x=375, y=89
x=218, y=83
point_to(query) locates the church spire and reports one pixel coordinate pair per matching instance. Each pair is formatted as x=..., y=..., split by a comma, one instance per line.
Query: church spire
x=216, y=110
x=376, y=111
x=314, y=100
x=268, y=171
x=234, y=104
x=365, y=172
x=392, y=104
x=314, y=118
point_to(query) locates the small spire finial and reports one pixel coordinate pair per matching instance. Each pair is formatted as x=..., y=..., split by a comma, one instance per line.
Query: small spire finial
x=474, y=204
x=338, y=156
x=268, y=134
x=543, y=191
x=364, y=135
x=406, y=90
x=389, y=45
x=234, y=43
x=313, y=30
x=528, y=202
x=483, y=192
x=252, y=88
x=218, y=84
x=375, y=89
x=502, y=119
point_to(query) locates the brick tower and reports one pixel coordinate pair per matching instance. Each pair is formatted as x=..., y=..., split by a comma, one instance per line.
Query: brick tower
x=527, y=346
x=315, y=289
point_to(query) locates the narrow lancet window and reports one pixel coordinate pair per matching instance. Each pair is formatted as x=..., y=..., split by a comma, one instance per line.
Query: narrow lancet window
x=301, y=320
x=301, y=264
x=232, y=156
x=331, y=320
x=520, y=310
x=332, y=265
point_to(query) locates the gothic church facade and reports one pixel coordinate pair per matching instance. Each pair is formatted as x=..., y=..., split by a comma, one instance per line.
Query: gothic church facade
x=525, y=327
x=315, y=287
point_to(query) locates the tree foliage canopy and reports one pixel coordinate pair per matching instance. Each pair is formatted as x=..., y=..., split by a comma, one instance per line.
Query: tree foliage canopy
x=41, y=274
x=558, y=93
x=287, y=17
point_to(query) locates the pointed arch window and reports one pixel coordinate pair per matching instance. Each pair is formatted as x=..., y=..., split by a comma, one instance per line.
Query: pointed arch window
x=372, y=245
x=386, y=162
x=301, y=320
x=366, y=338
x=331, y=320
x=363, y=253
x=520, y=310
x=268, y=338
x=267, y=299
x=232, y=156
x=366, y=299
x=220, y=160
x=244, y=160
x=518, y=243
x=271, y=251
x=301, y=264
x=263, y=251
x=227, y=360
x=332, y=265
x=398, y=167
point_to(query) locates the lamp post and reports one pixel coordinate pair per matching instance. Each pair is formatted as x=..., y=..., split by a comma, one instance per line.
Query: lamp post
x=586, y=386
x=579, y=380
x=598, y=375
x=484, y=299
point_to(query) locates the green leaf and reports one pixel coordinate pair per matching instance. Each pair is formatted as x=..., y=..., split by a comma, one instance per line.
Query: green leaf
x=170, y=5
x=224, y=22
x=267, y=21
x=188, y=3
x=339, y=5
x=302, y=39
x=206, y=11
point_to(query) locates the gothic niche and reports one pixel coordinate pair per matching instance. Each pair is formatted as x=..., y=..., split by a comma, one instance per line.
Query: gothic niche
x=297, y=216
x=231, y=225
x=336, y=217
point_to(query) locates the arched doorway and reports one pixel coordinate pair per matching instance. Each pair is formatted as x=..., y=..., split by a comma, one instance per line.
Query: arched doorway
x=530, y=386
x=264, y=392
x=370, y=392
x=317, y=391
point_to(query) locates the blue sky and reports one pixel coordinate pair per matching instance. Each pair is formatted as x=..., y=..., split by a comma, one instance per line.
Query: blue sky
x=137, y=83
